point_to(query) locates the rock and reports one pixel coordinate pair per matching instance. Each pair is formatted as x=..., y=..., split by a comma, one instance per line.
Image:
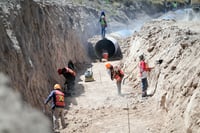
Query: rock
x=184, y=45
x=134, y=108
x=150, y=49
x=173, y=68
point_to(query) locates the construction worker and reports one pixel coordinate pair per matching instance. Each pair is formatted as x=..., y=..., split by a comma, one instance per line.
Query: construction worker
x=110, y=70
x=70, y=77
x=115, y=73
x=105, y=55
x=144, y=68
x=58, y=105
x=118, y=75
x=103, y=23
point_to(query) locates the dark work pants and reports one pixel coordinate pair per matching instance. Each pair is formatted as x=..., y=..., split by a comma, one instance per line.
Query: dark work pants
x=144, y=86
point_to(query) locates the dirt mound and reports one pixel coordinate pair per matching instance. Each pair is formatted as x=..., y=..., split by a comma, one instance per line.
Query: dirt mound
x=176, y=81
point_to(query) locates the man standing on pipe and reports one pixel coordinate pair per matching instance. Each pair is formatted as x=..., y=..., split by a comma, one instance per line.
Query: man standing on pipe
x=103, y=23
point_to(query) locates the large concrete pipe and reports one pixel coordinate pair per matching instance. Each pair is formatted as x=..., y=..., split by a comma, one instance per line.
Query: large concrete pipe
x=109, y=44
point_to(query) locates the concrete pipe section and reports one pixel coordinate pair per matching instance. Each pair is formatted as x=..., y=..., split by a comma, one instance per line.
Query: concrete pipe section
x=109, y=44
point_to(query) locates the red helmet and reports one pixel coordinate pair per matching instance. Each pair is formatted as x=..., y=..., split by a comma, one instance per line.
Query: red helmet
x=59, y=71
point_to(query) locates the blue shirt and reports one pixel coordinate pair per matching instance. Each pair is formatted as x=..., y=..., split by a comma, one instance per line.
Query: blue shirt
x=52, y=95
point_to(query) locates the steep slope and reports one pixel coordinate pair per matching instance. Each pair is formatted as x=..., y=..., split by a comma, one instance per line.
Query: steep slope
x=174, y=83
x=38, y=36
x=35, y=40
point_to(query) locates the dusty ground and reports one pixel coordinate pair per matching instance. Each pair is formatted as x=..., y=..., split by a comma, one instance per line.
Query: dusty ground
x=100, y=110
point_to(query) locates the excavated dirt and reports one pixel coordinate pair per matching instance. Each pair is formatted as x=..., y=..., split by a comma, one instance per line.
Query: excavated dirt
x=99, y=109
x=34, y=47
x=174, y=83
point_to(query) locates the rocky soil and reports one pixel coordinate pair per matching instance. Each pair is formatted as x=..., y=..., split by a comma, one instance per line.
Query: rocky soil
x=39, y=36
x=174, y=85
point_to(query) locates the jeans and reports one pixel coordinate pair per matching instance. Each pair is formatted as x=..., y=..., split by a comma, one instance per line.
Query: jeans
x=69, y=85
x=103, y=31
x=144, y=86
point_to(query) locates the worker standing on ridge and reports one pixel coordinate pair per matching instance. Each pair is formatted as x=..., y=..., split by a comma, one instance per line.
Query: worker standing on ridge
x=58, y=105
x=144, y=68
x=103, y=23
x=70, y=77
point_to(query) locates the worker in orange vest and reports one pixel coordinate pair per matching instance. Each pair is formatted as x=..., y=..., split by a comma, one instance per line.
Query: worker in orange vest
x=70, y=76
x=58, y=104
x=118, y=75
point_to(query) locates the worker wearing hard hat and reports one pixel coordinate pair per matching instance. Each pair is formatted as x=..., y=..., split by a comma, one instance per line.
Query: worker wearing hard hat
x=109, y=69
x=117, y=74
x=58, y=105
x=103, y=23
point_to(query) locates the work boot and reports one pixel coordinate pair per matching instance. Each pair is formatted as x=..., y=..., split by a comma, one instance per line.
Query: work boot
x=65, y=126
x=144, y=94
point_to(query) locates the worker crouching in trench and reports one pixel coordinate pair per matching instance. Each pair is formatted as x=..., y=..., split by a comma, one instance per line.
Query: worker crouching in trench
x=69, y=75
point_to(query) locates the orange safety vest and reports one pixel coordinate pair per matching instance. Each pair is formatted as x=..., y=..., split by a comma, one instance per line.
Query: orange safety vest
x=59, y=101
x=118, y=75
x=70, y=71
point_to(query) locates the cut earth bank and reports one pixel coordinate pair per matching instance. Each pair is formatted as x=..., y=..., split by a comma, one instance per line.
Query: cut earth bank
x=174, y=107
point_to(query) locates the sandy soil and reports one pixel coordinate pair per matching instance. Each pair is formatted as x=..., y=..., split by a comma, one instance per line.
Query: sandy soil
x=99, y=109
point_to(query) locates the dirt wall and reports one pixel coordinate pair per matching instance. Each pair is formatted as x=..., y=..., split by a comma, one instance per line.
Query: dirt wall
x=175, y=83
x=36, y=39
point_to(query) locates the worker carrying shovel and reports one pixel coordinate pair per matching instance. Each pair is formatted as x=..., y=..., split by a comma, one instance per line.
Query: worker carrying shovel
x=144, y=68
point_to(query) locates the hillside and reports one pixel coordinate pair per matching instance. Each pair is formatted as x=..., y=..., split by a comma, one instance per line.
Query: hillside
x=39, y=36
x=174, y=86
x=176, y=80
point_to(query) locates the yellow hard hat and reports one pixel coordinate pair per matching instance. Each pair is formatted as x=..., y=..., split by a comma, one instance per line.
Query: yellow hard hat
x=57, y=86
x=108, y=65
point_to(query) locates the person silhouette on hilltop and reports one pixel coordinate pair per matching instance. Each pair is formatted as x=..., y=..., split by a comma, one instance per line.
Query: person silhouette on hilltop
x=103, y=23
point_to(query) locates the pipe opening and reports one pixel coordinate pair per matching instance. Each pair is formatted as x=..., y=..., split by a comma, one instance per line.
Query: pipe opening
x=107, y=45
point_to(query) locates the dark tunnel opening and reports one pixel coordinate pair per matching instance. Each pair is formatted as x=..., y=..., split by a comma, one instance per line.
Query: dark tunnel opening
x=107, y=45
